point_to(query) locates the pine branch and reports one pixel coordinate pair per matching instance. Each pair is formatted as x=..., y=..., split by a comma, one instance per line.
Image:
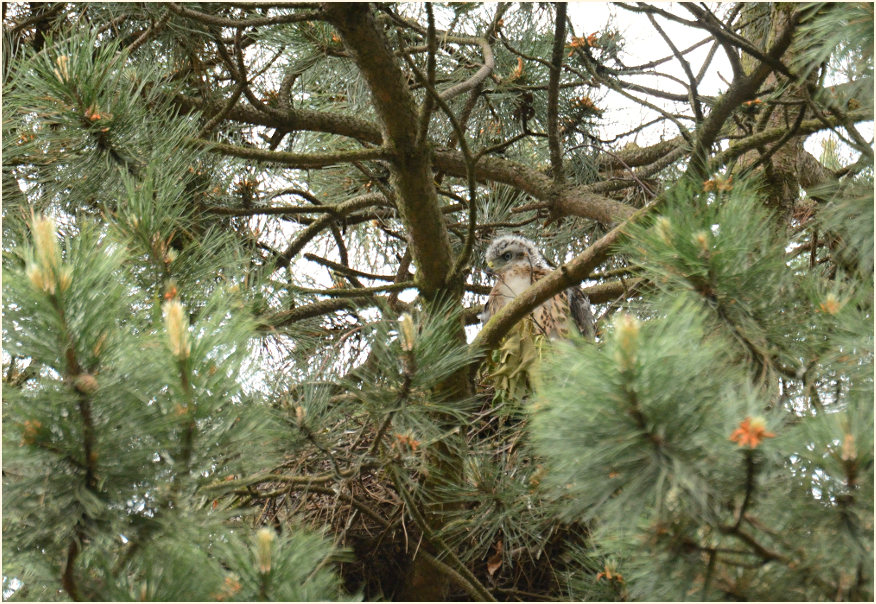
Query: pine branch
x=411, y=165
x=553, y=92
x=741, y=89
x=354, y=292
x=294, y=160
x=341, y=209
x=316, y=15
x=741, y=146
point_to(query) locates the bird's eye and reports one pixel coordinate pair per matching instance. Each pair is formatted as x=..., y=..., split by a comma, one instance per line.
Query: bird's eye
x=506, y=256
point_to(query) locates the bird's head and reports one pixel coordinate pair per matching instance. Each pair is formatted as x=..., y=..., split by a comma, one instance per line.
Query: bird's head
x=507, y=251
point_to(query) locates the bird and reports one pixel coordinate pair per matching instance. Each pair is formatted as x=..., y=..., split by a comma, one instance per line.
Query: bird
x=516, y=264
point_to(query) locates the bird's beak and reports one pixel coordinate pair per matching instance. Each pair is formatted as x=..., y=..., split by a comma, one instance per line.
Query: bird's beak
x=489, y=270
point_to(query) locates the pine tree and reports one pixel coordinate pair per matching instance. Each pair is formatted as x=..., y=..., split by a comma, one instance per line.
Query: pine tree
x=242, y=266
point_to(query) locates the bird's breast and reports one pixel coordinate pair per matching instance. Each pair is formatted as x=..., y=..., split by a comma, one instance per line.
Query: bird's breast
x=511, y=284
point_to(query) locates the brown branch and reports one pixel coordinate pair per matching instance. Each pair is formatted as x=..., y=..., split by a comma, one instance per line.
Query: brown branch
x=300, y=313
x=570, y=200
x=229, y=105
x=346, y=270
x=761, y=550
x=271, y=211
x=355, y=292
x=226, y=22
x=411, y=164
x=341, y=209
x=741, y=89
x=295, y=160
x=606, y=292
x=39, y=17
x=575, y=201
x=153, y=30
x=554, y=91
x=292, y=120
x=742, y=146
x=708, y=22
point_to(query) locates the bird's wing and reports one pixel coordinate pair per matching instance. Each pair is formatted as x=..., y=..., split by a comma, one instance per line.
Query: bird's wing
x=582, y=315
x=485, y=314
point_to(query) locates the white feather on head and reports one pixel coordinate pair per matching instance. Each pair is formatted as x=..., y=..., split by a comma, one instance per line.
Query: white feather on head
x=508, y=242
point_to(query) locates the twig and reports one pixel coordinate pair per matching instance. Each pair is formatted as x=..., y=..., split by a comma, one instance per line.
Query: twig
x=788, y=135
x=709, y=22
x=594, y=72
x=429, y=101
x=692, y=90
x=761, y=550
x=229, y=105
x=346, y=269
x=341, y=209
x=354, y=292
x=151, y=31
x=749, y=487
x=42, y=16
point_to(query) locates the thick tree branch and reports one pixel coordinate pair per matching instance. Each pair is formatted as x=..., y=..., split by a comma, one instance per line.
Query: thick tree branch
x=570, y=200
x=410, y=163
x=580, y=201
x=323, y=307
x=292, y=120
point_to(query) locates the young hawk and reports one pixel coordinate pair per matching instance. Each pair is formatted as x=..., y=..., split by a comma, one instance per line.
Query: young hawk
x=517, y=264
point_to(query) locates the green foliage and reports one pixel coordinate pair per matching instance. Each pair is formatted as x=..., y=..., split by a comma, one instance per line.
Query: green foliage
x=159, y=416
x=132, y=413
x=191, y=411
x=636, y=433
